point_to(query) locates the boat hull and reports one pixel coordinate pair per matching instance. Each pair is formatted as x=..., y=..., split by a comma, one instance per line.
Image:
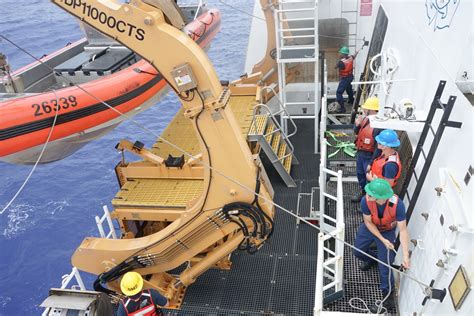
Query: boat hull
x=79, y=114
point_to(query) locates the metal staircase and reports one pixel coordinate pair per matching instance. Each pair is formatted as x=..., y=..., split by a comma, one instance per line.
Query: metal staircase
x=267, y=132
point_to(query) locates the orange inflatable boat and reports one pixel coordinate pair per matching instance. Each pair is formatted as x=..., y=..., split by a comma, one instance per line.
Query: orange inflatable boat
x=87, y=74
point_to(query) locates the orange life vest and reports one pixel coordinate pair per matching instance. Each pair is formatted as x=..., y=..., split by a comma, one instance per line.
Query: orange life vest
x=389, y=219
x=145, y=305
x=381, y=161
x=348, y=66
x=365, y=140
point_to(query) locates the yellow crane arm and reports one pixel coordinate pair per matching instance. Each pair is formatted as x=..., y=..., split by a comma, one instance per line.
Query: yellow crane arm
x=146, y=29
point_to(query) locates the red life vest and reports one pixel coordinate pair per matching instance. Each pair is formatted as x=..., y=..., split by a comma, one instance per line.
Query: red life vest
x=365, y=139
x=380, y=162
x=348, y=66
x=145, y=305
x=389, y=219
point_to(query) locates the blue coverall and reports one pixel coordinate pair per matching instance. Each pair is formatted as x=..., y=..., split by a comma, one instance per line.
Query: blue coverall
x=365, y=238
x=344, y=85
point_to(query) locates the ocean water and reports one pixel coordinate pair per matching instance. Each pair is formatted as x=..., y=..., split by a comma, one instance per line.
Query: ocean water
x=55, y=211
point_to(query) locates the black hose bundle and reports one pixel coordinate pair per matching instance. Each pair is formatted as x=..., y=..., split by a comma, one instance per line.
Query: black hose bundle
x=262, y=223
x=115, y=273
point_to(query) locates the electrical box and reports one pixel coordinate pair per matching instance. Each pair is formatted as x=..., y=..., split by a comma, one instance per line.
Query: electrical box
x=184, y=78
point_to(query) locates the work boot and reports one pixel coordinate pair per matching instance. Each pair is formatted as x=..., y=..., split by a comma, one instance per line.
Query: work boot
x=389, y=304
x=367, y=265
x=341, y=110
x=356, y=198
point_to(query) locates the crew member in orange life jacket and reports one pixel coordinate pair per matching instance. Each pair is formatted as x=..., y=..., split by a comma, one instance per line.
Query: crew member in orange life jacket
x=138, y=302
x=383, y=211
x=345, y=66
x=365, y=143
x=386, y=166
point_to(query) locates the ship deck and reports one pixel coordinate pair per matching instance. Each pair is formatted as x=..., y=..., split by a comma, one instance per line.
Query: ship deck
x=280, y=277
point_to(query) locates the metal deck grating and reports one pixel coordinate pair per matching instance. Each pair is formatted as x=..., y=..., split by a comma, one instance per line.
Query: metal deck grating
x=347, y=169
x=280, y=278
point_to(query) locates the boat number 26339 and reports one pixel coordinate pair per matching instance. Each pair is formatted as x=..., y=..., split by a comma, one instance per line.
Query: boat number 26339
x=54, y=105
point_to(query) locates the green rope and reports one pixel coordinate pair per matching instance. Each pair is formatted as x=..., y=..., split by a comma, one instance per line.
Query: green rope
x=347, y=147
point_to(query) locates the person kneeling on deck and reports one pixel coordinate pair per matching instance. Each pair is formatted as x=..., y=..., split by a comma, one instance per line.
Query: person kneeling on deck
x=139, y=302
x=388, y=165
x=345, y=66
x=365, y=143
x=383, y=211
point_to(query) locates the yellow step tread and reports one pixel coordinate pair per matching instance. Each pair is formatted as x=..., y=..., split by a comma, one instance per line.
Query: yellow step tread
x=282, y=150
x=268, y=131
x=258, y=125
x=287, y=163
x=276, y=142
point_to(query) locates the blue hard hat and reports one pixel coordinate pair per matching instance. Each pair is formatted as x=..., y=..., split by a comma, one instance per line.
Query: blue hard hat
x=388, y=137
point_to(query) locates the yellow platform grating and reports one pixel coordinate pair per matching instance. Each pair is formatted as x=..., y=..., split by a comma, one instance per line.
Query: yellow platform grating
x=287, y=163
x=258, y=126
x=181, y=132
x=160, y=193
x=276, y=142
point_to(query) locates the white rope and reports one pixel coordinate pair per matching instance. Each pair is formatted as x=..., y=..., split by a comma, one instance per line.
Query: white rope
x=37, y=160
x=250, y=190
x=377, y=303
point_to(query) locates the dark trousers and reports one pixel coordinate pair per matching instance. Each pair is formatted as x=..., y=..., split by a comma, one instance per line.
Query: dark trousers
x=345, y=85
x=364, y=239
x=363, y=160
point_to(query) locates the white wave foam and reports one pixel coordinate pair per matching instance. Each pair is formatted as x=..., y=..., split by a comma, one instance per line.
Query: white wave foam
x=4, y=300
x=54, y=207
x=17, y=220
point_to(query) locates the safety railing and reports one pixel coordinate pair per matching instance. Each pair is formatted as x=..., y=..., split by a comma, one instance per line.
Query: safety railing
x=284, y=114
x=100, y=224
x=330, y=256
x=66, y=279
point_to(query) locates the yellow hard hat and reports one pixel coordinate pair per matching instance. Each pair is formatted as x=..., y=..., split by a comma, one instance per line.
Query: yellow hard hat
x=371, y=103
x=131, y=284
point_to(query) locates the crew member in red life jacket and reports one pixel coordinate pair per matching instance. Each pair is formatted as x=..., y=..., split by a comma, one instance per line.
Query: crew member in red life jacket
x=386, y=166
x=383, y=211
x=365, y=143
x=138, y=301
x=345, y=66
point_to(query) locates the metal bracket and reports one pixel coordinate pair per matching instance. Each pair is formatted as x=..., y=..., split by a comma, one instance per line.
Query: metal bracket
x=453, y=124
x=432, y=293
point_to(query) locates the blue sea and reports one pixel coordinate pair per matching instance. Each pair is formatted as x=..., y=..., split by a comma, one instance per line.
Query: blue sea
x=55, y=211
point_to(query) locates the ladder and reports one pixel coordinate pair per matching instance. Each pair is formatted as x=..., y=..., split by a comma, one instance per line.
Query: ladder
x=267, y=132
x=296, y=29
x=443, y=123
x=350, y=13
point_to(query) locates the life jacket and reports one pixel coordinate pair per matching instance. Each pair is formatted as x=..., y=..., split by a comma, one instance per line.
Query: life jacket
x=143, y=306
x=380, y=162
x=365, y=139
x=389, y=219
x=348, y=66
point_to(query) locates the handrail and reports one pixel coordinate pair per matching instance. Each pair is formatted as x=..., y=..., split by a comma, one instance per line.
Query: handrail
x=283, y=108
x=100, y=221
